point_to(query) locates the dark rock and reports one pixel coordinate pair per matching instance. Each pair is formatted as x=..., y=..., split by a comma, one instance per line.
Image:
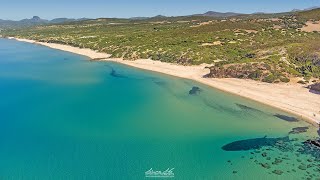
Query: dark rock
x=277, y=161
x=243, y=71
x=184, y=61
x=285, y=158
x=309, y=160
x=302, y=167
x=247, y=108
x=234, y=172
x=309, y=166
x=286, y=118
x=250, y=55
x=194, y=91
x=315, y=143
x=114, y=73
x=315, y=87
x=278, y=172
x=250, y=144
x=265, y=165
x=299, y=130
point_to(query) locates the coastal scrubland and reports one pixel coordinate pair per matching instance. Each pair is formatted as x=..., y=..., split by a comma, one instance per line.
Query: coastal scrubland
x=270, y=48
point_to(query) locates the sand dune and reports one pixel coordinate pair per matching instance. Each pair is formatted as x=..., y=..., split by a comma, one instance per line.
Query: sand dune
x=311, y=26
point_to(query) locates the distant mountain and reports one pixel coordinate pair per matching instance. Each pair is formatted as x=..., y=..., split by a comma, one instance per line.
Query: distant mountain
x=61, y=20
x=218, y=14
x=35, y=20
x=139, y=18
x=231, y=14
x=295, y=10
x=312, y=8
x=307, y=9
x=259, y=13
x=32, y=21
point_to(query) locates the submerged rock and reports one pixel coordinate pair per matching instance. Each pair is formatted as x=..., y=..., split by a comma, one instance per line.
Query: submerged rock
x=278, y=172
x=315, y=143
x=302, y=167
x=251, y=144
x=277, y=161
x=114, y=73
x=194, y=91
x=299, y=130
x=247, y=108
x=286, y=118
x=265, y=165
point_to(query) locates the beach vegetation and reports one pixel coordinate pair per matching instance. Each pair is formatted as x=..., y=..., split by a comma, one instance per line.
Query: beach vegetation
x=275, y=43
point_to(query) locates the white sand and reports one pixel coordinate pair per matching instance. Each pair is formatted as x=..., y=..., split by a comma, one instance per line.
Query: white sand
x=85, y=52
x=290, y=97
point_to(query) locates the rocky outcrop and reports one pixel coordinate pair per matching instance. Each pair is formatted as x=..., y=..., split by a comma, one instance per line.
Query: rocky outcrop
x=314, y=143
x=315, y=87
x=194, y=91
x=255, y=71
x=233, y=72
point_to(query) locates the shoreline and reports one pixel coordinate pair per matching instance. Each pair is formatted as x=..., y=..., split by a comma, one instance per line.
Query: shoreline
x=290, y=97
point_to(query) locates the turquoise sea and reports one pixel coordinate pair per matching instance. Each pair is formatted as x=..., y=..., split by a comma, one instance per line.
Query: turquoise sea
x=65, y=117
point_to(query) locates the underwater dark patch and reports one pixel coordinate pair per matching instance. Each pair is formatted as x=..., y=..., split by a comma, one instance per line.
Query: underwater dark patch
x=311, y=147
x=298, y=130
x=211, y=104
x=251, y=144
x=195, y=90
x=114, y=73
x=247, y=108
x=286, y=118
x=221, y=108
x=160, y=83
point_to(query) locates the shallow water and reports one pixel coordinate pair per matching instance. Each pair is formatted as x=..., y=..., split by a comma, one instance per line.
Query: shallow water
x=62, y=116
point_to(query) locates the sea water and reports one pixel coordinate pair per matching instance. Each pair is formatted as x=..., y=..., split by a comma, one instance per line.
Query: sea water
x=65, y=117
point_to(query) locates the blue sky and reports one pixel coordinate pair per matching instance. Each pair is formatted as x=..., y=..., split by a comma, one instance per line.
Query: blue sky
x=49, y=9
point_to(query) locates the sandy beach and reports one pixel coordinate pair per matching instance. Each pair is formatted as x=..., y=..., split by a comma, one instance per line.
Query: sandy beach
x=290, y=97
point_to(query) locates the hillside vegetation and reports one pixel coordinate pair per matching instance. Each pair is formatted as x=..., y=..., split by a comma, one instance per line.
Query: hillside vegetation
x=269, y=48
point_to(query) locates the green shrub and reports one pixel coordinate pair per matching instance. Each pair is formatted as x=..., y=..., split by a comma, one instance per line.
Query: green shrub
x=284, y=79
x=302, y=82
x=269, y=79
